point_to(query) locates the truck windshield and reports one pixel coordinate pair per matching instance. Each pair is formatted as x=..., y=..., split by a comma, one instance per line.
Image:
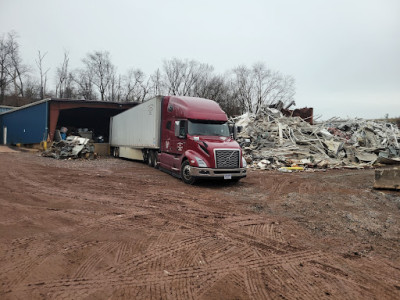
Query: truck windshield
x=208, y=128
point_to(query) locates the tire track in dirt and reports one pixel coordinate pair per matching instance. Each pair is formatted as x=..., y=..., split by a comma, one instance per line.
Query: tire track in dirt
x=141, y=262
x=277, y=186
x=225, y=257
x=355, y=285
x=255, y=285
x=93, y=260
x=183, y=244
x=257, y=227
x=275, y=241
x=20, y=271
x=36, y=254
x=122, y=249
x=236, y=236
x=212, y=273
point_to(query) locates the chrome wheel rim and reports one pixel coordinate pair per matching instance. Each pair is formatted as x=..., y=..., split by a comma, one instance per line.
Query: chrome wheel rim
x=186, y=172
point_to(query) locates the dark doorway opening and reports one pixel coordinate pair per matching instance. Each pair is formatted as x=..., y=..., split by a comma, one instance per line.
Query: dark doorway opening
x=94, y=119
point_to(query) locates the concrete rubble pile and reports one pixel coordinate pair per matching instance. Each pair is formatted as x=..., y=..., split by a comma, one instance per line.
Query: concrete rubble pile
x=273, y=141
x=72, y=147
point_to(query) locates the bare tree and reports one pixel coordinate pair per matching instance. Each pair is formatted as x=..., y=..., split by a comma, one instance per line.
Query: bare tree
x=31, y=88
x=69, y=87
x=43, y=73
x=136, y=86
x=4, y=66
x=62, y=76
x=99, y=65
x=114, y=92
x=244, y=86
x=17, y=69
x=242, y=89
x=271, y=87
x=259, y=86
x=84, y=80
x=181, y=77
x=157, y=85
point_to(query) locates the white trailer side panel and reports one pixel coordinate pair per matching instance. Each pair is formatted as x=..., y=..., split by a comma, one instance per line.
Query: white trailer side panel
x=137, y=127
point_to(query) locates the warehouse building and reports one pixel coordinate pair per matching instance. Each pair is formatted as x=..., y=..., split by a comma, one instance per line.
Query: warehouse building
x=39, y=121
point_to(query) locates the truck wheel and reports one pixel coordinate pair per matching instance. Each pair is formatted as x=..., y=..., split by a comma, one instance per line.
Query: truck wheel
x=150, y=159
x=155, y=156
x=185, y=173
x=116, y=152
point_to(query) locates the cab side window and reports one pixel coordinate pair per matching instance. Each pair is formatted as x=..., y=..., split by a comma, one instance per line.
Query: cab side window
x=182, y=128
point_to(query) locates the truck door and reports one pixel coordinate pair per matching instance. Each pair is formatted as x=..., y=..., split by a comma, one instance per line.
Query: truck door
x=173, y=145
x=178, y=142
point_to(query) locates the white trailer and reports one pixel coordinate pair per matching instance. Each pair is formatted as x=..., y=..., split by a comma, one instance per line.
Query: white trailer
x=136, y=130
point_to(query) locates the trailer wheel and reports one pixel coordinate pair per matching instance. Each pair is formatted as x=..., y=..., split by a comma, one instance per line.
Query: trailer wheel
x=116, y=152
x=185, y=173
x=150, y=158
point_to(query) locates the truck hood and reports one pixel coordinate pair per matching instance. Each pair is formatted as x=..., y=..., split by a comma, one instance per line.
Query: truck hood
x=215, y=141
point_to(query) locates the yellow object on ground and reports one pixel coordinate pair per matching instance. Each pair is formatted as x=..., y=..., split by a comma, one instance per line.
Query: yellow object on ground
x=43, y=144
x=295, y=168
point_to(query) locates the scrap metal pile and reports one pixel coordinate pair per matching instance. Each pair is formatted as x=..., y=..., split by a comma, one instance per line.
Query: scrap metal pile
x=273, y=141
x=72, y=147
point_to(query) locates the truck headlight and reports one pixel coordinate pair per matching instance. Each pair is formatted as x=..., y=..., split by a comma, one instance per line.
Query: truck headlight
x=244, y=163
x=201, y=163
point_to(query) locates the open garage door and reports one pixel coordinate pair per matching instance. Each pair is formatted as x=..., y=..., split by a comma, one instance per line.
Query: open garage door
x=96, y=120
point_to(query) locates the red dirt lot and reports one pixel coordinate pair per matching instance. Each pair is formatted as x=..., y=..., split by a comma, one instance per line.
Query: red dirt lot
x=117, y=229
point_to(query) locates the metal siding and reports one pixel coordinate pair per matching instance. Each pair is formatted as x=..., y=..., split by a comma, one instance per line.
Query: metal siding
x=138, y=127
x=1, y=130
x=26, y=126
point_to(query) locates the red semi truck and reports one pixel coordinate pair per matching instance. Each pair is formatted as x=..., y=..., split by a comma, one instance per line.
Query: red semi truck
x=184, y=136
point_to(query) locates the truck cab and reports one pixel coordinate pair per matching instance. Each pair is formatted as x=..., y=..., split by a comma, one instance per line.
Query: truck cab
x=195, y=141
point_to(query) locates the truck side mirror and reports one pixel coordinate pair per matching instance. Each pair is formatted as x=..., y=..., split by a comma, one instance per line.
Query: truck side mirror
x=233, y=130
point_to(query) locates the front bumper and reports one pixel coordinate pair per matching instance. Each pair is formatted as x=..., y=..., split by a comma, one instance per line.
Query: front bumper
x=217, y=173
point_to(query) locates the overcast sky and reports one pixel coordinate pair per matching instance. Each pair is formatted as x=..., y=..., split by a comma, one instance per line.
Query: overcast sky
x=344, y=55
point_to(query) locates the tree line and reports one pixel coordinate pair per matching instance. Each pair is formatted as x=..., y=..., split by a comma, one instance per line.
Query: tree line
x=241, y=89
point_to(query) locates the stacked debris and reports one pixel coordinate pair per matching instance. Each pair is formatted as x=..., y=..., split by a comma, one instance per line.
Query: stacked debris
x=272, y=141
x=72, y=147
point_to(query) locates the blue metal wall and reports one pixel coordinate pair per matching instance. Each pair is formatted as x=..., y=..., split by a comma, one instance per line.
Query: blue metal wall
x=25, y=126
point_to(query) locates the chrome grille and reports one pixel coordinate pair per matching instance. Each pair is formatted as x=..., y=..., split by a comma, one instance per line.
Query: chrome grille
x=227, y=159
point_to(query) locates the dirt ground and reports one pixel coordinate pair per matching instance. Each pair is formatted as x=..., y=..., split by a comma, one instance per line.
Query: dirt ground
x=118, y=229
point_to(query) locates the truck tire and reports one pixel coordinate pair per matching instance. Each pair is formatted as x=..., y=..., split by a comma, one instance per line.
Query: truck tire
x=155, y=155
x=150, y=158
x=116, y=152
x=185, y=173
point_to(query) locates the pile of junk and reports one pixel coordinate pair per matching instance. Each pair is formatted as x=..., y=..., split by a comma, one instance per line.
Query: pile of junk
x=80, y=143
x=270, y=140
